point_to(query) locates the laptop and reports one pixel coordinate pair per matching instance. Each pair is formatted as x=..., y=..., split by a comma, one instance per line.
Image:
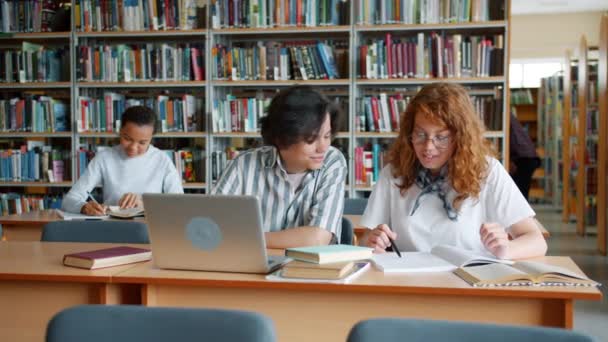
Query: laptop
x=208, y=233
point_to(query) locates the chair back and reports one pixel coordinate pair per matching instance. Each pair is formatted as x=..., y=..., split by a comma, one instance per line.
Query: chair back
x=415, y=330
x=354, y=206
x=346, y=235
x=126, y=323
x=111, y=231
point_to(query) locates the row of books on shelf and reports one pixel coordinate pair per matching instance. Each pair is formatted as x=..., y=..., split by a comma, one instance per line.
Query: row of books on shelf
x=238, y=114
x=27, y=15
x=189, y=162
x=591, y=210
x=278, y=13
x=35, y=63
x=524, y=96
x=176, y=112
x=369, y=161
x=141, y=62
x=13, y=203
x=303, y=60
x=221, y=158
x=34, y=162
x=34, y=113
x=380, y=113
x=432, y=55
x=380, y=12
x=138, y=15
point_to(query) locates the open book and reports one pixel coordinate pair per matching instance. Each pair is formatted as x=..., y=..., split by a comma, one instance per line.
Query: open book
x=116, y=211
x=442, y=258
x=522, y=273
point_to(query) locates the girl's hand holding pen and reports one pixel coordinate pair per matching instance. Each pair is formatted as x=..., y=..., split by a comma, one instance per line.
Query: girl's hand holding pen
x=93, y=209
x=379, y=238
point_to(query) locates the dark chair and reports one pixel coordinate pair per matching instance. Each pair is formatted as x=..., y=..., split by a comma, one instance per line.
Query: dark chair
x=354, y=206
x=112, y=231
x=346, y=235
x=415, y=330
x=125, y=323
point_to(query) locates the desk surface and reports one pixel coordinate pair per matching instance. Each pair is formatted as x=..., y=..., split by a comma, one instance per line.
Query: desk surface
x=34, y=260
x=32, y=217
x=43, y=261
x=372, y=280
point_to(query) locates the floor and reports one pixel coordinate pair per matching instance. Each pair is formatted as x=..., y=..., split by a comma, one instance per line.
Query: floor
x=590, y=317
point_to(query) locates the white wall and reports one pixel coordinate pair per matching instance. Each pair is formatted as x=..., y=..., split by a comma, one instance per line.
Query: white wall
x=549, y=35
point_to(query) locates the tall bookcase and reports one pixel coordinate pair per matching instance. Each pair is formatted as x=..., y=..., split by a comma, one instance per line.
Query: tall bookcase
x=550, y=111
x=602, y=220
x=355, y=24
x=569, y=145
x=587, y=139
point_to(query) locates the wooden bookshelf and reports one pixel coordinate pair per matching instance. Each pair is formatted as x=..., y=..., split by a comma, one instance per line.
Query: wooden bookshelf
x=602, y=219
x=585, y=209
x=349, y=87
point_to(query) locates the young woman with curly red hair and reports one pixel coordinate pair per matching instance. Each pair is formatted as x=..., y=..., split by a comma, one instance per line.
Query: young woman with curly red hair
x=443, y=186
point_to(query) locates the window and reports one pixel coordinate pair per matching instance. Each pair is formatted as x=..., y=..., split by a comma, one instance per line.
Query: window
x=527, y=73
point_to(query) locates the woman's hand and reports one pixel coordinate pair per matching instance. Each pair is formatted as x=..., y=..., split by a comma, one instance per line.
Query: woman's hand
x=130, y=200
x=378, y=238
x=495, y=239
x=93, y=209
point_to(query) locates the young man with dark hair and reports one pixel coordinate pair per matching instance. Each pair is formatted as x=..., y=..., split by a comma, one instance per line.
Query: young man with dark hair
x=126, y=170
x=298, y=176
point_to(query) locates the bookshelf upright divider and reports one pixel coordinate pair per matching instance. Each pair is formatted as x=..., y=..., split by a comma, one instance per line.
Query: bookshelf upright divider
x=602, y=160
x=568, y=203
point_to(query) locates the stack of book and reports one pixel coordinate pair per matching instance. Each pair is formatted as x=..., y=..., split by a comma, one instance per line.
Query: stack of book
x=333, y=263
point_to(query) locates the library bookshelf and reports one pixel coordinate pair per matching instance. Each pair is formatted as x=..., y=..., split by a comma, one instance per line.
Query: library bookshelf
x=602, y=192
x=350, y=30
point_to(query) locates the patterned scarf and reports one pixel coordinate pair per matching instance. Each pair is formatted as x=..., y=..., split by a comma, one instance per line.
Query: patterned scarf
x=425, y=181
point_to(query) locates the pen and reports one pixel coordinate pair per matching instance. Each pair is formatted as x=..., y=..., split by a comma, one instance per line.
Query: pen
x=89, y=196
x=394, y=245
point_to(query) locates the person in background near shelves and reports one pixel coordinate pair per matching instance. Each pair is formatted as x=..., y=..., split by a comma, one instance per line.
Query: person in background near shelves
x=522, y=153
x=298, y=177
x=442, y=185
x=127, y=170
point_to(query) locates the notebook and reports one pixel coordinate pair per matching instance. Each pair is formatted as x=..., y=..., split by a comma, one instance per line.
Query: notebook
x=66, y=216
x=442, y=258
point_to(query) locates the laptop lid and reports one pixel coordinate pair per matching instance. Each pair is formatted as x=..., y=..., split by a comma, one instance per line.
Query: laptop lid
x=207, y=233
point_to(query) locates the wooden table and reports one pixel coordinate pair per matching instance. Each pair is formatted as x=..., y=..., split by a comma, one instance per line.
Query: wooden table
x=26, y=226
x=34, y=285
x=326, y=312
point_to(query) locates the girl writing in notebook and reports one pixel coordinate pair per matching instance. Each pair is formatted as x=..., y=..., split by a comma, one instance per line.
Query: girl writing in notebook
x=127, y=170
x=443, y=186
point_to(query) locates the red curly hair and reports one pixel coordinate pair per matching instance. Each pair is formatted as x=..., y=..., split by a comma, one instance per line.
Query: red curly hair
x=448, y=104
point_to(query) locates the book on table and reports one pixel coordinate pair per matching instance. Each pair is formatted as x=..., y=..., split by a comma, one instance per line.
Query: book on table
x=441, y=258
x=522, y=273
x=354, y=271
x=116, y=211
x=329, y=253
x=67, y=216
x=303, y=269
x=107, y=257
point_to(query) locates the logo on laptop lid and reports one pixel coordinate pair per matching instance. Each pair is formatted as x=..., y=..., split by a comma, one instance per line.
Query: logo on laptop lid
x=203, y=233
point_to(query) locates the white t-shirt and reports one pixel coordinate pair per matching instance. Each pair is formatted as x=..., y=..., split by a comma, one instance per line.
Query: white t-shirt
x=500, y=201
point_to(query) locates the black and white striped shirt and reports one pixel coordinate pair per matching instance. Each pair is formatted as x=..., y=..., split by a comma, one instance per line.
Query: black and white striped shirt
x=317, y=202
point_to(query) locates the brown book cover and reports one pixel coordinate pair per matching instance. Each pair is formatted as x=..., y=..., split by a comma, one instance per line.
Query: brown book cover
x=303, y=269
x=107, y=257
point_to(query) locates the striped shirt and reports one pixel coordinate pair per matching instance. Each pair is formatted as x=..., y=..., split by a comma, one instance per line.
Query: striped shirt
x=317, y=202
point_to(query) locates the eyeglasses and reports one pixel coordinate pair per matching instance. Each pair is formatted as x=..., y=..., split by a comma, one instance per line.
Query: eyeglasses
x=440, y=141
